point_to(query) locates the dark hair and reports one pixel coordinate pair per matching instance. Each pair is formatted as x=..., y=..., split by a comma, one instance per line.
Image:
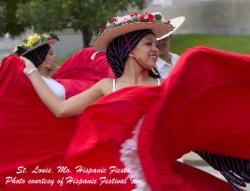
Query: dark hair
x=119, y=49
x=38, y=55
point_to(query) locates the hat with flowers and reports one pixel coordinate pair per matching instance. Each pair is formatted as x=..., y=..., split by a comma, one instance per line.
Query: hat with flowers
x=121, y=25
x=34, y=41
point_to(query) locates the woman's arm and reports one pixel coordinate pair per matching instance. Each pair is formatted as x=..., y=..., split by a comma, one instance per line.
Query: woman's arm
x=70, y=107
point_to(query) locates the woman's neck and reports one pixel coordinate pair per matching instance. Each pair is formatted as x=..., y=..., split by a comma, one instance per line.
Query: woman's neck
x=134, y=74
x=44, y=72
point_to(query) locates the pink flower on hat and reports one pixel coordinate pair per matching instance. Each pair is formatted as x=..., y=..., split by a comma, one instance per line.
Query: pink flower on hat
x=112, y=20
x=124, y=19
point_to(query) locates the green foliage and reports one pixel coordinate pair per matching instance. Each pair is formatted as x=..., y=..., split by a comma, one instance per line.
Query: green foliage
x=51, y=15
x=92, y=13
x=233, y=43
x=2, y=22
x=42, y=15
x=9, y=21
x=88, y=15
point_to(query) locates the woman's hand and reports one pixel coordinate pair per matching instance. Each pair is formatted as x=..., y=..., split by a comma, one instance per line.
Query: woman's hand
x=29, y=67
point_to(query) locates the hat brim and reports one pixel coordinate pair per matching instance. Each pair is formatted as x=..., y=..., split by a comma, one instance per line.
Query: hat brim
x=176, y=23
x=49, y=42
x=106, y=37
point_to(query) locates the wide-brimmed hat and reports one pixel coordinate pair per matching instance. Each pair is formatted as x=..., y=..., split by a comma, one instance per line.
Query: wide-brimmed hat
x=176, y=23
x=34, y=41
x=121, y=25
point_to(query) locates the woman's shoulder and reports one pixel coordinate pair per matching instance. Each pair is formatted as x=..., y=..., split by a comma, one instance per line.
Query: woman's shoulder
x=105, y=80
x=104, y=85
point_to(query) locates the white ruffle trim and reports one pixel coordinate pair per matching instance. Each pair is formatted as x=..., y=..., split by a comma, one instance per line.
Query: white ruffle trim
x=130, y=158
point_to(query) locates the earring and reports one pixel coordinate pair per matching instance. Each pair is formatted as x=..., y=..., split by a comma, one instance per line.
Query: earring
x=47, y=65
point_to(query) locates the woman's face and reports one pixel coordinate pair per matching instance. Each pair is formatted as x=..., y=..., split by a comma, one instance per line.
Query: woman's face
x=50, y=60
x=146, y=52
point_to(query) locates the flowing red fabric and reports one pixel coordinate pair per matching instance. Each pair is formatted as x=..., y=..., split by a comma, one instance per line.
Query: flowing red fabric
x=203, y=106
x=86, y=67
x=103, y=127
x=30, y=135
x=106, y=124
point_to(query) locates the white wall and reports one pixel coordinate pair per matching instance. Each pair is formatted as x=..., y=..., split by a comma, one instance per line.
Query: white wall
x=174, y=2
x=212, y=17
x=190, y=1
x=162, y=2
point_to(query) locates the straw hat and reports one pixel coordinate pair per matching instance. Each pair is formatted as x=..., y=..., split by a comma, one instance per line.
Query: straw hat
x=118, y=26
x=176, y=23
x=34, y=41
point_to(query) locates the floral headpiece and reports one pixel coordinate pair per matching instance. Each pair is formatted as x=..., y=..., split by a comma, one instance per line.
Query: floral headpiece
x=133, y=18
x=34, y=41
x=120, y=25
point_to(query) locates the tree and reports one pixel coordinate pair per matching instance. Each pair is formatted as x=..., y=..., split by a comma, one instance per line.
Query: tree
x=87, y=15
x=2, y=21
x=9, y=22
x=83, y=15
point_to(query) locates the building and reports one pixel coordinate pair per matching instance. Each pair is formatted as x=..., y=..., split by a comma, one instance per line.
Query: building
x=229, y=17
x=174, y=2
